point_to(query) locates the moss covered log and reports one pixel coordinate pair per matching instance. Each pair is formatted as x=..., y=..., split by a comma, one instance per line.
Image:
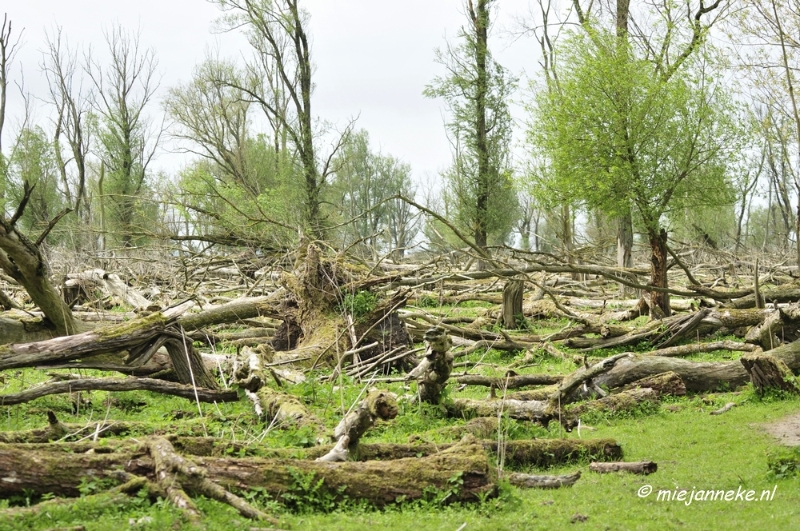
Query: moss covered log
x=39, y=471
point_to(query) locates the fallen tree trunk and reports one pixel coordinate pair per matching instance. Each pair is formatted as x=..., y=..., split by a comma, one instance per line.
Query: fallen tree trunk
x=542, y=453
x=510, y=382
x=528, y=481
x=132, y=343
x=642, y=467
x=769, y=373
x=38, y=471
x=119, y=384
x=698, y=376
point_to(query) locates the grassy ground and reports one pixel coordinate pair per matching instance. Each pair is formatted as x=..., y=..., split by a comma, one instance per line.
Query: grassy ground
x=694, y=451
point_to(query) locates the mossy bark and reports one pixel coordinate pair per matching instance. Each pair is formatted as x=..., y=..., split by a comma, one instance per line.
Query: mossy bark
x=379, y=482
x=768, y=372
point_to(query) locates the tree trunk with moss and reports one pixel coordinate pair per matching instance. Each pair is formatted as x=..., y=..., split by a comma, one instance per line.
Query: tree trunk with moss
x=22, y=260
x=39, y=471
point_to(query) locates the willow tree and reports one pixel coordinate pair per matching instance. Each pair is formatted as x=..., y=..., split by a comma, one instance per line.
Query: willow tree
x=619, y=134
x=279, y=82
x=476, y=90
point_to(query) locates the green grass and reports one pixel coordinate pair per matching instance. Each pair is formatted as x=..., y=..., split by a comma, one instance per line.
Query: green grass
x=693, y=450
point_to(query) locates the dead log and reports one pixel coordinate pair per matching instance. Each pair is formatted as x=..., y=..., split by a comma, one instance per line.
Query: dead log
x=765, y=334
x=664, y=384
x=434, y=370
x=642, y=467
x=510, y=382
x=377, y=405
x=38, y=471
x=785, y=293
x=618, y=402
x=20, y=327
x=530, y=410
x=512, y=302
x=724, y=409
x=541, y=453
x=110, y=284
x=22, y=260
x=696, y=348
x=132, y=344
x=571, y=382
x=529, y=481
x=697, y=376
x=768, y=372
x=119, y=384
x=283, y=409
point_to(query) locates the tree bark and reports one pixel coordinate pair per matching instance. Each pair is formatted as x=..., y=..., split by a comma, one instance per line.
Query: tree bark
x=658, y=271
x=39, y=471
x=512, y=302
x=768, y=372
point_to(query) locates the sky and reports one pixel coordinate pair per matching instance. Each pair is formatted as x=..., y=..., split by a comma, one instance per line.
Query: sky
x=373, y=59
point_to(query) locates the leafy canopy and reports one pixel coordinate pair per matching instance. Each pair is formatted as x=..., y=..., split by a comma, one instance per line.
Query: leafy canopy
x=618, y=134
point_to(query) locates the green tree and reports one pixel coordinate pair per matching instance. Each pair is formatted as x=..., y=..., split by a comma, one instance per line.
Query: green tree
x=279, y=81
x=33, y=161
x=476, y=90
x=123, y=90
x=363, y=191
x=241, y=188
x=619, y=134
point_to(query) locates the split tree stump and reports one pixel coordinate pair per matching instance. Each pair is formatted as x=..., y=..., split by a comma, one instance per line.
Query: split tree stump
x=512, y=302
x=768, y=372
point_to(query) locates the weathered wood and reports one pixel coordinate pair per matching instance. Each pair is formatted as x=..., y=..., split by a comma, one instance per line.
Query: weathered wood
x=785, y=293
x=697, y=348
x=766, y=333
x=109, y=339
x=641, y=467
x=574, y=380
x=376, y=405
x=434, y=370
x=22, y=260
x=510, y=382
x=110, y=284
x=529, y=481
x=119, y=384
x=531, y=410
x=768, y=372
x=724, y=409
x=38, y=471
x=512, y=302
x=665, y=384
x=698, y=376
x=623, y=401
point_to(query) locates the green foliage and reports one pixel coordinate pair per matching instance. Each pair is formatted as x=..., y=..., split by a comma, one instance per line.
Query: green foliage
x=33, y=160
x=479, y=195
x=359, y=304
x=308, y=494
x=784, y=463
x=371, y=219
x=617, y=134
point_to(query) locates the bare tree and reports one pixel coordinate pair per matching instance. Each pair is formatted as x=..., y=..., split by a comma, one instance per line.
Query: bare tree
x=8, y=48
x=72, y=102
x=128, y=138
x=281, y=69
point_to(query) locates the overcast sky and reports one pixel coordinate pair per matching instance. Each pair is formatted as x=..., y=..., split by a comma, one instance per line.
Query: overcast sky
x=373, y=58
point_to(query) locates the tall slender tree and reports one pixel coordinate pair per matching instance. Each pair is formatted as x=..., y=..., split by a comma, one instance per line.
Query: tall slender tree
x=128, y=141
x=476, y=90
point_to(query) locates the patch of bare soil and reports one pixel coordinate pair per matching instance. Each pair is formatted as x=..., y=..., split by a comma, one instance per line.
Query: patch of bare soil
x=786, y=430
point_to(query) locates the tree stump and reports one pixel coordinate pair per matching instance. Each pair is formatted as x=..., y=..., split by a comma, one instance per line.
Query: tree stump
x=768, y=372
x=512, y=302
x=434, y=370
